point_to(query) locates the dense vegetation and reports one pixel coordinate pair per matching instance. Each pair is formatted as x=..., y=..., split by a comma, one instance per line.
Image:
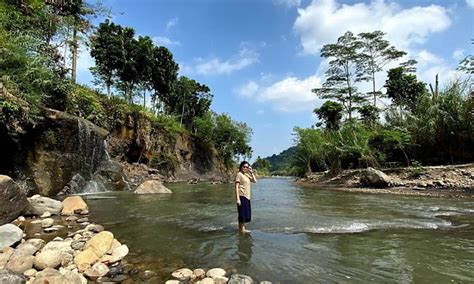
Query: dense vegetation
x=39, y=42
x=419, y=126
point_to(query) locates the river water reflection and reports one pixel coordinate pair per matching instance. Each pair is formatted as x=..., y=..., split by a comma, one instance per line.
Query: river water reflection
x=299, y=235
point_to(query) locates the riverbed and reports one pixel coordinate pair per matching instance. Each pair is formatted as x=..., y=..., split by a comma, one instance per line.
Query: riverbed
x=299, y=235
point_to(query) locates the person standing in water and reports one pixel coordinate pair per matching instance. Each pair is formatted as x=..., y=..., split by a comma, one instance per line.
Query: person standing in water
x=242, y=194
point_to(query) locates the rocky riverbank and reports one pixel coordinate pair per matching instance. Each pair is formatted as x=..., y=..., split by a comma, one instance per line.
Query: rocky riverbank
x=451, y=181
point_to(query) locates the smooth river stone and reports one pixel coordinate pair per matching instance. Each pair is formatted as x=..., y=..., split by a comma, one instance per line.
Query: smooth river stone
x=216, y=272
x=72, y=203
x=9, y=235
x=182, y=274
x=85, y=259
x=100, y=243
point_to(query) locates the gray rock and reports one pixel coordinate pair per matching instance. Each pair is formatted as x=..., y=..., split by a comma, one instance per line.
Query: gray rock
x=150, y=187
x=240, y=279
x=78, y=245
x=216, y=272
x=10, y=277
x=39, y=205
x=9, y=235
x=13, y=200
x=94, y=228
x=97, y=270
x=374, y=178
x=61, y=246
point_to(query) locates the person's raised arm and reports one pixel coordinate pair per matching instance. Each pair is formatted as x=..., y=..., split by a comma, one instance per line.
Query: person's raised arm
x=252, y=176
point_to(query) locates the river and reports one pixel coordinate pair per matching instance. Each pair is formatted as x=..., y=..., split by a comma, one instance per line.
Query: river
x=299, y=235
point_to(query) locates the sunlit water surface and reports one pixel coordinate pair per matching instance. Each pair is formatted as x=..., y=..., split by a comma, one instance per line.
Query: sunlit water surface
x=299, y=235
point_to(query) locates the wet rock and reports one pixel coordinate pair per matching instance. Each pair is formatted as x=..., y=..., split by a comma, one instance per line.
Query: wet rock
x=100, y=243
x=200, y=273
x=46, y=223
x=83, y=220
x=216, y=272
x=11, y=277
x=182, y=274
x=85, y=259
x=84, y=212
x=147, y=274
x=20, y=264
x=48, y=259
x=150, y=187
x=38, y=205
x=96, y=271
x=115, y=270
x=13, y=201
x=119, y=253
x=73, y=203
x=9, y=235
x=374, y=178
x=94, y=228
x=72, y=218
x=121, y=278
x=240, y=279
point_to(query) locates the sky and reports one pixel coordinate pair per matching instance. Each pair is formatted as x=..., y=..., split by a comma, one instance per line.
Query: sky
x=261, y=58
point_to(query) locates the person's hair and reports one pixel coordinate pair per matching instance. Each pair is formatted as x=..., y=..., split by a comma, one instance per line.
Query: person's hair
x=242, y=165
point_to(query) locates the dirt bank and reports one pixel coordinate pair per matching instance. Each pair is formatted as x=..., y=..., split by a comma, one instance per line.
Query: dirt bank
x=450, y=181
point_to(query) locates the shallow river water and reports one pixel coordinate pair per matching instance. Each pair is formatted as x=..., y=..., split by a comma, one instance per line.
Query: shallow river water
x=299, y=235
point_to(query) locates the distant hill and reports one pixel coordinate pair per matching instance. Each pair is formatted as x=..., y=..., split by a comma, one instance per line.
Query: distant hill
x=281, y=163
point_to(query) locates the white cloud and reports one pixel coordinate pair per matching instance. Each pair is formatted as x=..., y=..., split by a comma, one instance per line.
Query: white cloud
x=323, y=21
x=291, y=94
x=458, y=54
x=171, y=23
x=164, y=41
x=217, y=66
x=470, y=3
x=247, y=90
x=288, y=3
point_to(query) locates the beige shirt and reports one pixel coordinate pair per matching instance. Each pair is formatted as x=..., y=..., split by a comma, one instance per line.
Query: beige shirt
x=244, y=185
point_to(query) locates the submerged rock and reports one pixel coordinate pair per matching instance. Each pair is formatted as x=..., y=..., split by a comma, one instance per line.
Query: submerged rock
x=240, y=279
x=150, y=187
x=12, y=200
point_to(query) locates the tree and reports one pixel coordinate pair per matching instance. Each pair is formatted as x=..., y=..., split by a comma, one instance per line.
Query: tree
x=189, y=100
x=467, y=64
x=376, y=53
x=107, y=50
x=262, y=165
x=331, y=114
x=403, y=88
x=144, y=64
x=164, y=74
x=344, y=72
x=128, y=74
x=369, y=115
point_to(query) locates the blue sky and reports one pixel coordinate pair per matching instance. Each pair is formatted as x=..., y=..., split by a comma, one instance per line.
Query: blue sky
x=261, y=57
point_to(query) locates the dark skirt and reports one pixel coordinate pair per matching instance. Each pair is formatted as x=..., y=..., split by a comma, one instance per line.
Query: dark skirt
x=245, y=213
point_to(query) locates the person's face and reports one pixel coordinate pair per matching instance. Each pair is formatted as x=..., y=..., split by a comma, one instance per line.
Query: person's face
x=245, y=168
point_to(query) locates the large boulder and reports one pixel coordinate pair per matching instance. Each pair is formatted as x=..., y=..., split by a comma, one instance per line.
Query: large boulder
x=40, y=204
x=100, y=243
x=9, y=235
x=72, y=203
x=374, y=178
x=151, y=186
x=12, y=200
x=85, y=259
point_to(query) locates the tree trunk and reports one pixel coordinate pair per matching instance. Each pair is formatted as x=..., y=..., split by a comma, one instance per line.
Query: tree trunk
x=373, y=86
x=144, y=98
x=75, y=49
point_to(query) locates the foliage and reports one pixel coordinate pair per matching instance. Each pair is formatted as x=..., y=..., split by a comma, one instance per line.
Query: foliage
x=262, y=166
x=345, y=70
x=230, y=138
x=403, y=88
x=376, y=54
x=331, y=114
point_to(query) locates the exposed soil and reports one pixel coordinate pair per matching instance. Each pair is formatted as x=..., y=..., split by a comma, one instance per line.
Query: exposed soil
x=449, y=181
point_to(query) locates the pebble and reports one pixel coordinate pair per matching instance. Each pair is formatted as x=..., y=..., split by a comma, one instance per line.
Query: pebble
x=182, y=274
x=46, y=223
x=82, y=220
x=45, y=215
